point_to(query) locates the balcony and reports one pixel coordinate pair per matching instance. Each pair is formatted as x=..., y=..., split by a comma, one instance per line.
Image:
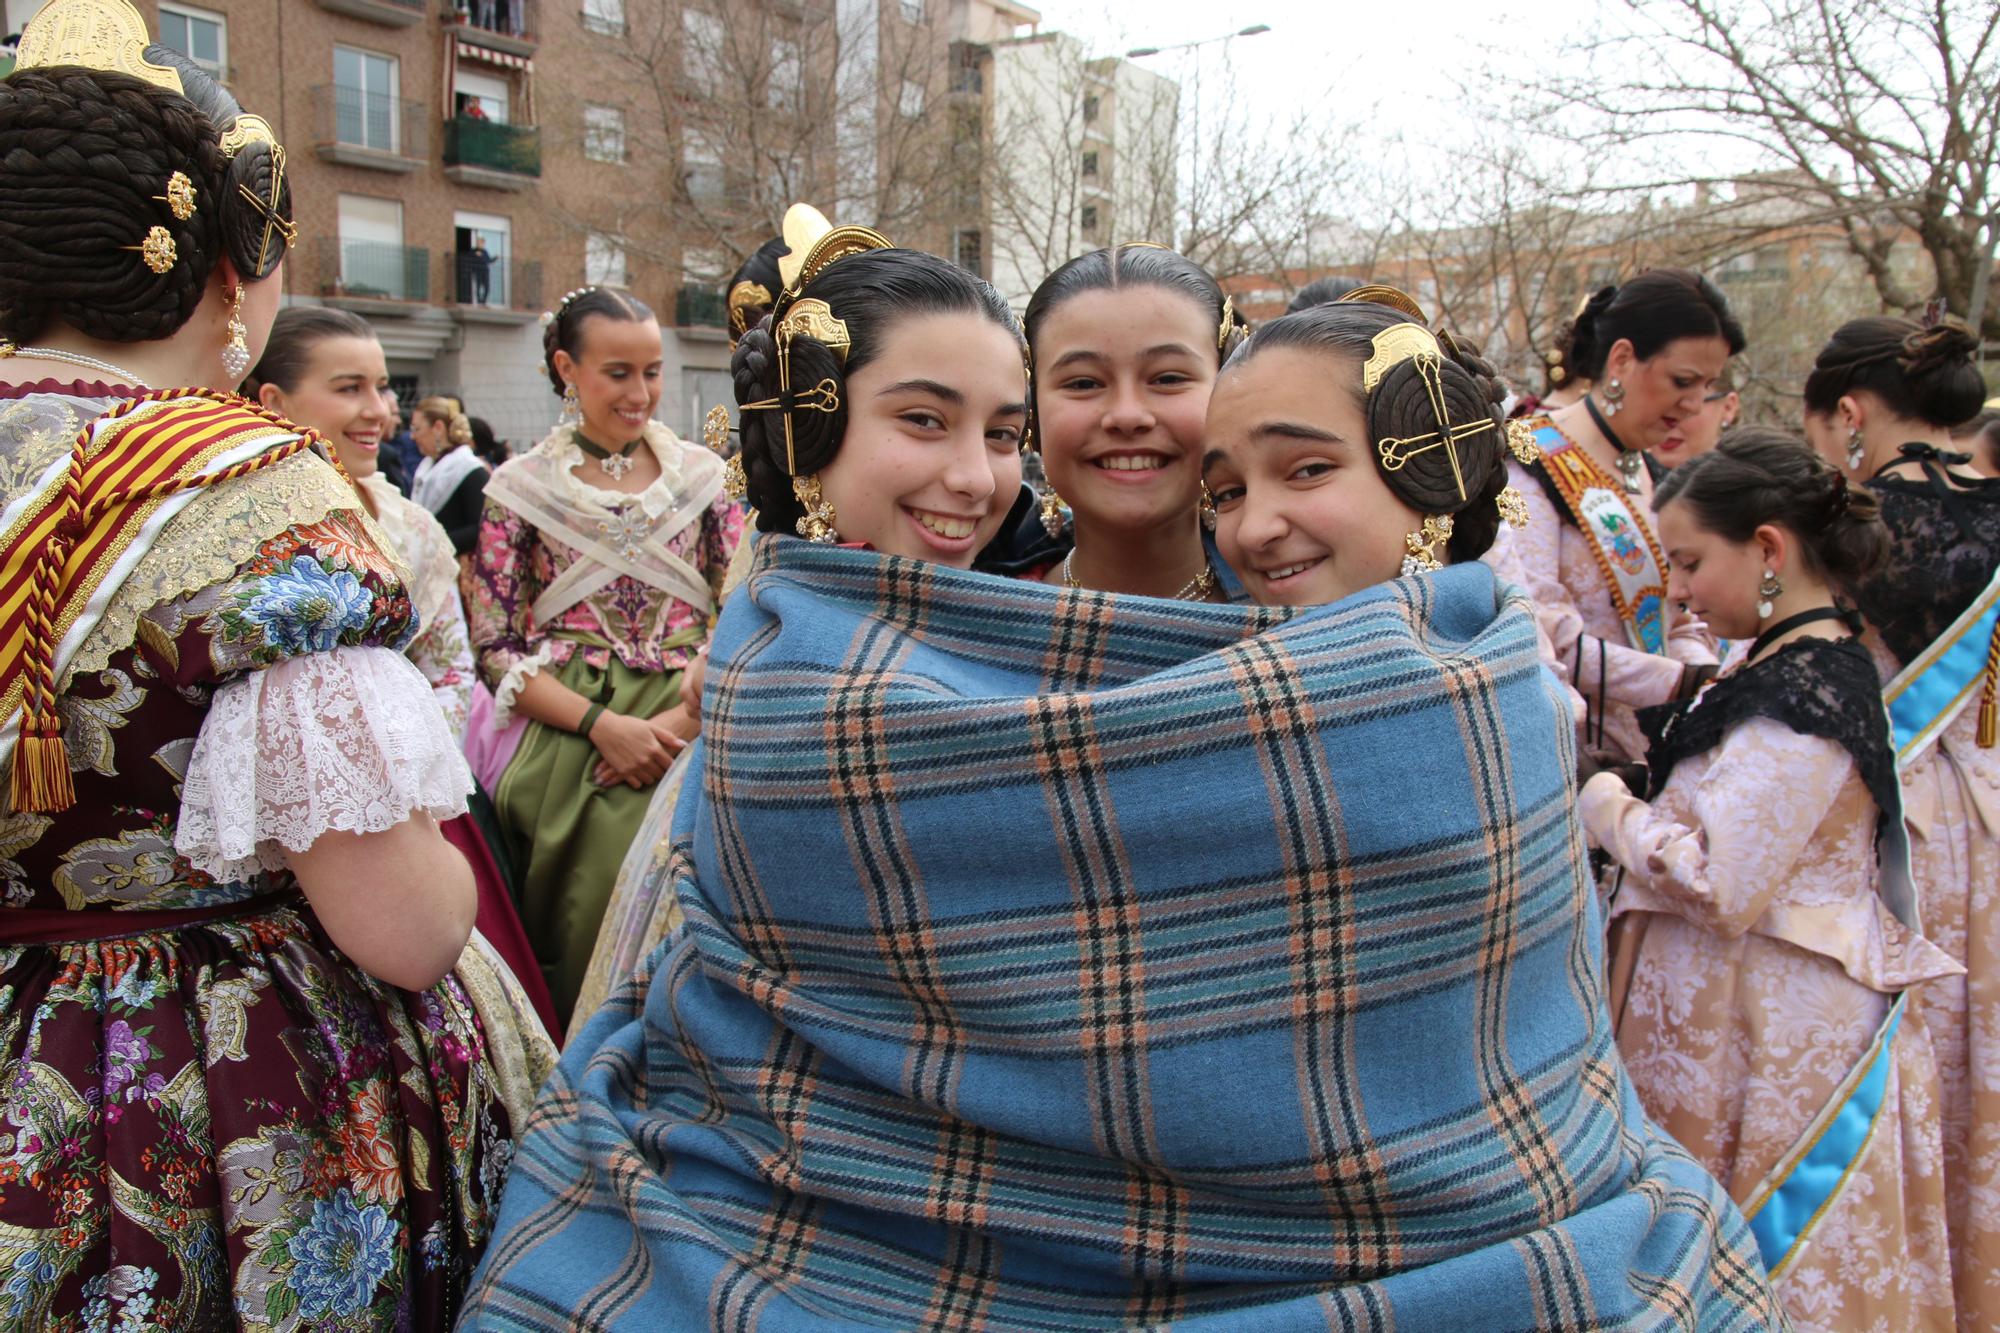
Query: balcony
x=499, y=291
x=368, y=276
x=390, y=13
x=700, y=307
x=364, y=129
x=508, y=26
x=490, y=155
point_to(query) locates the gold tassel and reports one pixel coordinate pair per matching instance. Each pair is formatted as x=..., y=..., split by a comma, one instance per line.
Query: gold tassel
x=1989, y=698
x=41, y=768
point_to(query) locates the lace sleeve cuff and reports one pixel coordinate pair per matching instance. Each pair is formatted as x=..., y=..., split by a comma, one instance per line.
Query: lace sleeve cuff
x=509, y=685
x=347, y=741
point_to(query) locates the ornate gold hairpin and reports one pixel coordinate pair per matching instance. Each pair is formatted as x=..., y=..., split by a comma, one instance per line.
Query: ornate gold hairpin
x=1521, y=442
x=745, y=297
x=157, y=250
x=715, y=429
x=1393, y=297
x=1415, y=343
x=107, y=35
x=285, y=227
x=179, y=197
x=1228, y=323
x=1513, y=507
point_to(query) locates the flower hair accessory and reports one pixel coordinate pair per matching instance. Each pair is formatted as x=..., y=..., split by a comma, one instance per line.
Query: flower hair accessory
x=551, y=316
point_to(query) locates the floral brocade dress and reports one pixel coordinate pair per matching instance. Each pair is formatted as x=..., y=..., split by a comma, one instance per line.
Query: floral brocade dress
x=210, y=1116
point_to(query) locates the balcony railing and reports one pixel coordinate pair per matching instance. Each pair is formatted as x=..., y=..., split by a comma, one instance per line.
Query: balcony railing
x=699, y=307
x=490, y=146
x=395, y=13
x=499, y=284
x=368, y=124
x=505, y=25
x=373, y=270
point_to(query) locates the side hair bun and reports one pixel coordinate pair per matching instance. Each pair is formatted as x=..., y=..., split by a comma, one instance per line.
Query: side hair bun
x=1937, y=346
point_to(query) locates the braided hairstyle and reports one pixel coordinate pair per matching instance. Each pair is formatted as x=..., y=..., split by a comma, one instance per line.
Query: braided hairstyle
x=1400, y=408
x=1920, y=372
x=1760, y=475
x=458, y=426
x=868, y=292
x=85, y=156
x=1660, y=306
x=564, y=331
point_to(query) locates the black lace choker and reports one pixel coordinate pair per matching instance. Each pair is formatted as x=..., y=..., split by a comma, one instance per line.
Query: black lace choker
x=1630, y=461
x=1792, y=622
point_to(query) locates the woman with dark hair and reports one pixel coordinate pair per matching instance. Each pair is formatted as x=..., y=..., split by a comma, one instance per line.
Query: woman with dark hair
x=249, y=1080
x=1980, y=438
x=1764, y=929
x=491, y=449
x=1321, y=291
x=599, y=561
x=1020, y=984
x=1126, y=343
x=1652, y=350
x=1882, y=398
x=451, y=480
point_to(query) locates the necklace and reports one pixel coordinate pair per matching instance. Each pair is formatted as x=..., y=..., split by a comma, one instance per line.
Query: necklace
x=8, y=351
x=1790, y=623
x=615, y=465
x=1631, y=462
x=1197, y=589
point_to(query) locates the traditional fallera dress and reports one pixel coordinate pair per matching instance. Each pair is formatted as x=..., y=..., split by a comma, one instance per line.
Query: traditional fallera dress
x=1935, y=613
x=1758, y=974
x=209, y=1114
x=442, y=650
x=612, y=592
x=1056, y=961
x=1598, y=578
x=453, y=487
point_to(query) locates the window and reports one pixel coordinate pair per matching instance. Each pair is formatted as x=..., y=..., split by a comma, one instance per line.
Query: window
x=1090, y=221
x=201, y=36
x=701, y=168
x=786, y=73
x=605, y=16
x=1090, y=166
x=372, y=262
x=480, y=96
x=1090, y=109
x=603, y=260
x=702, y=37
x=968, y=250
x=603, y=133
x=911, y=104
x=364, y=99
x=913, y=11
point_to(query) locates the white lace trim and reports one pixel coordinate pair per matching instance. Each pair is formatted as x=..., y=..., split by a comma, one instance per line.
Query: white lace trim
x=515, y=678
x=349, y=741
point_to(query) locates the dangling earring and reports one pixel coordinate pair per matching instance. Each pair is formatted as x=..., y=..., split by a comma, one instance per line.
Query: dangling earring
x=1854, y=449
x=1052, y=511
x=236, y=353
x=1422, y=557
x=1207, y=508
x=1770, y=588
x=816, y=524
x=572, y=412
x=1614, y=398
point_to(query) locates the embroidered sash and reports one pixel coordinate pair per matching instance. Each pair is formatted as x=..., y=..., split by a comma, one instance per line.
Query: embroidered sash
x=1928, y=693
x=69, y=541
x=1634, y=567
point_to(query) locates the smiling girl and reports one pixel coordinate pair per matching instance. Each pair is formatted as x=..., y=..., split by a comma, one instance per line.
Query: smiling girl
x=597, y=568
x=1126, y=344
x=1763, y=920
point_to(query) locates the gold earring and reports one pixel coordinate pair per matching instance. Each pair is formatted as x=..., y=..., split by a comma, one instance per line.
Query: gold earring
x=236, y=355
x=715, y=429
x=572, y=411
x=816, y=524
x=1422, y=554
x=1772, y=587
x=1052, y=511
x=1207, y=507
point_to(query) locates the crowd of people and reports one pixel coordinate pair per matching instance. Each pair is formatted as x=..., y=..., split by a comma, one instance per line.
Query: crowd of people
x=1362, y=844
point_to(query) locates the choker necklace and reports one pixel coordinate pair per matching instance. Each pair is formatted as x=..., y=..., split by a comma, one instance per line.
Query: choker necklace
x=615, y=465
x=1790, y=623
x=1630, y=461
x=121, y=375
x=1197, y=589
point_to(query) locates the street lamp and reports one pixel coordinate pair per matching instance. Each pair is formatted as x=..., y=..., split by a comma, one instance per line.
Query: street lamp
x=1254, y=30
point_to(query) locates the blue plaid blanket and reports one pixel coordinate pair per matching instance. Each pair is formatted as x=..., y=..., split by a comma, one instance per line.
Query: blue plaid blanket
x=1056, y=961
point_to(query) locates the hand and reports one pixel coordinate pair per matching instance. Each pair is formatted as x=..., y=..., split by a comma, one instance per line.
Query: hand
x=630, y=750
x=677, y=726
x=692, y=681
x=1590, y=763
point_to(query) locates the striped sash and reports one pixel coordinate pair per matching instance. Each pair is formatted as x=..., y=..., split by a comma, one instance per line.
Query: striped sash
x=1927, y=694
x=67, y=544
x=1628, y=555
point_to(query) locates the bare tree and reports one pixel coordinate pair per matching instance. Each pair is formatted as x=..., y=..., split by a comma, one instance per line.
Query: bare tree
x=1884, y=116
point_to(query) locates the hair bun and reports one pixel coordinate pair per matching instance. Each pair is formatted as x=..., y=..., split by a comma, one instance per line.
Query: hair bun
x=1937, y=346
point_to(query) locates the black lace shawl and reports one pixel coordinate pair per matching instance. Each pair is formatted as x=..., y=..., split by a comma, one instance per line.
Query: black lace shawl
x=1817, y=687
x=1944, y=543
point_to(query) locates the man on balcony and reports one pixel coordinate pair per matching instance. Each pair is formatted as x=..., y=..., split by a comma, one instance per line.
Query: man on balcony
x=479, y=268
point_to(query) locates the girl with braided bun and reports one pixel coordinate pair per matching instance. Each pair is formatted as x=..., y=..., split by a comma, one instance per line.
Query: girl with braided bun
x=251, y=1081
x=1651, y=350
x=599, y=565
x=1765, y=934
x=1880, y=403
